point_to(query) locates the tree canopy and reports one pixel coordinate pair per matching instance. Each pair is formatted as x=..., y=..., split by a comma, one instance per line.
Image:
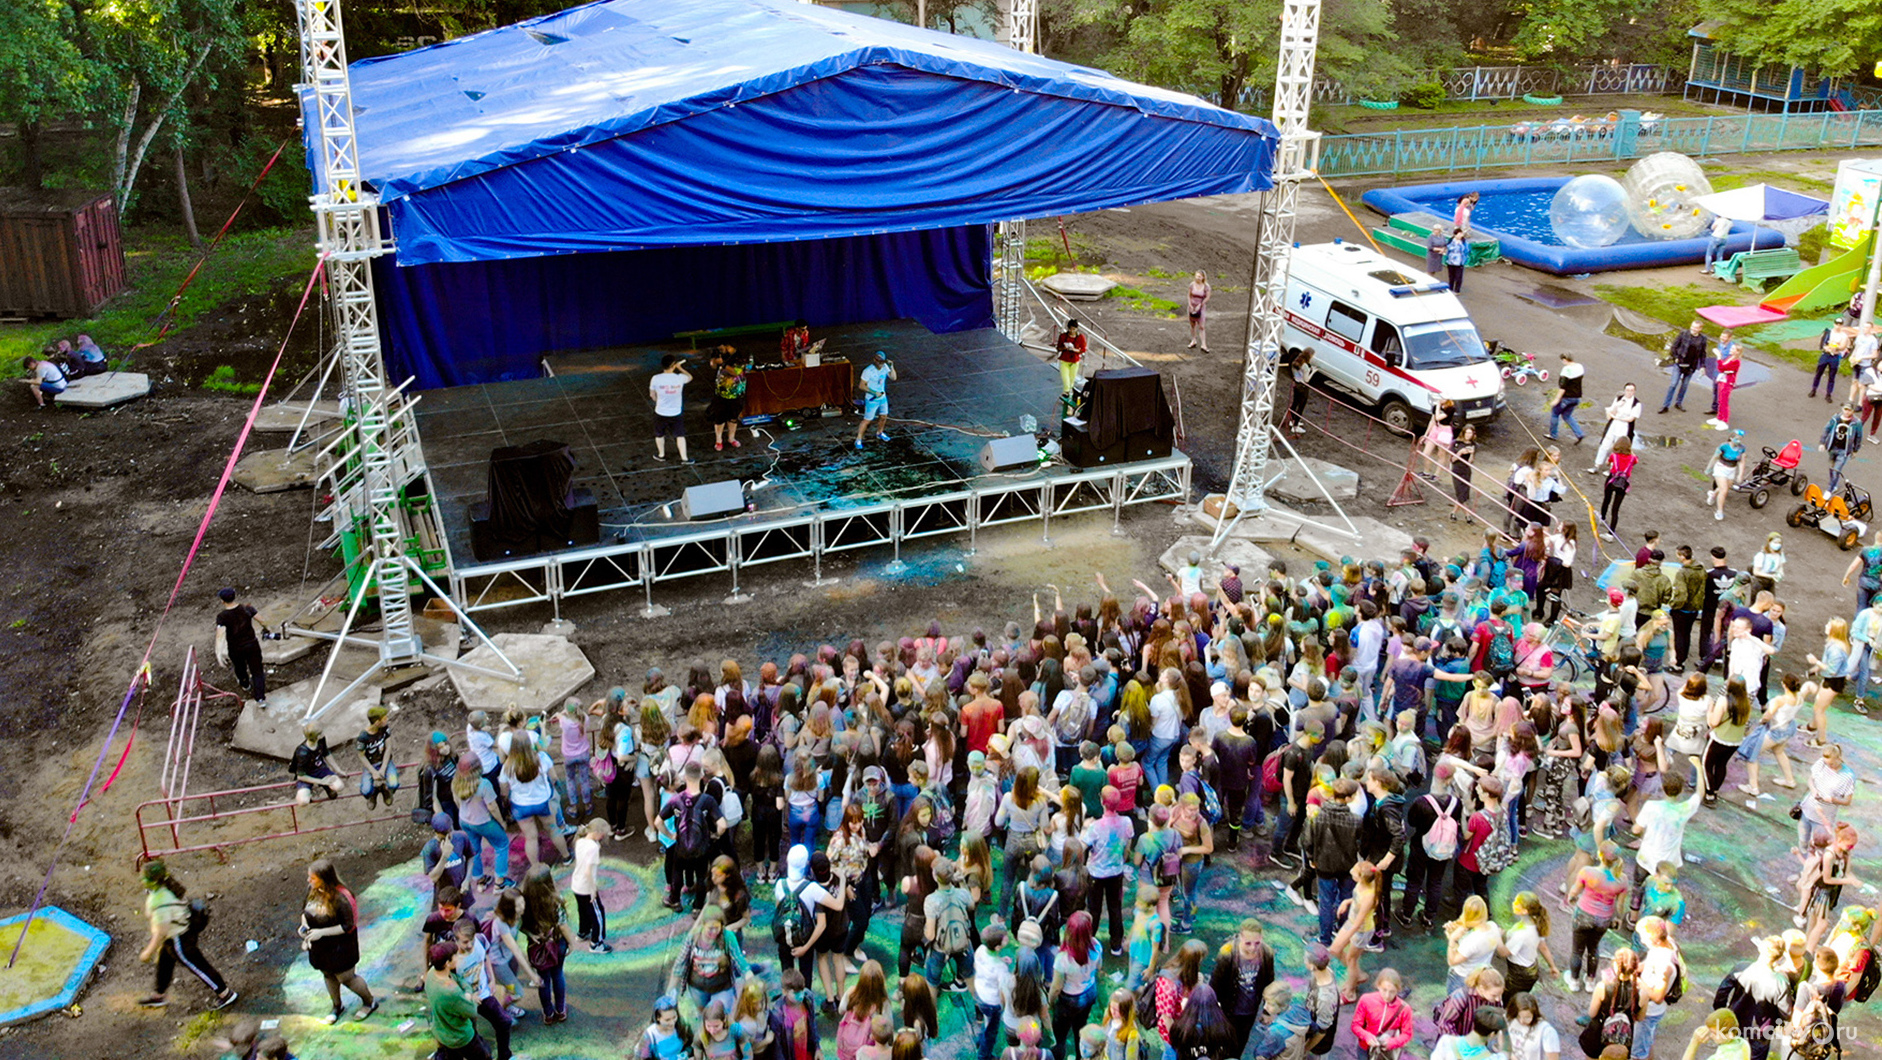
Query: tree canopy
x=1834, y=38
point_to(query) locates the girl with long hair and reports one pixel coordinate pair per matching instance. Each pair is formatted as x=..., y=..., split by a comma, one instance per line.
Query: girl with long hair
x=651, y=737
x=1075, y=967
x=1616, y=993
x=766, y=809
x=1526, y=943
x=1730, y=720
x=916, y=886
x=1593, y=893
x=803, y=795
x=1023, y=813
x=330, y=935
x=546, y=924
x=1470, y=942
x=1121, y=1038
x=1202, y=1031
x=918, y=1007
x=478, y=815
x=528, y=780
x=867, y=997
x=1832, y=673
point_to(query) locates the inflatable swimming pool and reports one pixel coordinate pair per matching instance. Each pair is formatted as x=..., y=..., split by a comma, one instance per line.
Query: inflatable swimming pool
x=1516, y=213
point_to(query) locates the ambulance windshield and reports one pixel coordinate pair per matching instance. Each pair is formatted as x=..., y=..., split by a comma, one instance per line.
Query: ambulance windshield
x=1447, y=344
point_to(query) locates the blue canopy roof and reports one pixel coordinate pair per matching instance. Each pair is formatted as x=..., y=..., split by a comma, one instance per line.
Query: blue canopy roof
x=629, y=124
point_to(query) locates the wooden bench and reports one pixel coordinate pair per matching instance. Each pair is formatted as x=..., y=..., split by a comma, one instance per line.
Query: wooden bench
x=1753, y=268
x=774, y=328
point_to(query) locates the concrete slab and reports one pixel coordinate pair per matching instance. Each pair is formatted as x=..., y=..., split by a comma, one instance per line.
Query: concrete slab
x=1280, y=524
x=553, y=669
x=104, y=391
x=286, y=415
x=1078, y=286
x=272, y=729
x=1250, y=557
x=275, y=470
x=1297, y=488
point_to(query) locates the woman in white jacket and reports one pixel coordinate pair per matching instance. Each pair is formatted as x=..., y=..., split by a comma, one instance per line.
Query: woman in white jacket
x=1622, y=412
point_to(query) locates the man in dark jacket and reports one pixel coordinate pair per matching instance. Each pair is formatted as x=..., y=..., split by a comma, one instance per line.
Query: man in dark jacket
x=1243, y=969
x=1383, y=840
x=1331, y=846
x=1842, y=439
x=1689, y=355
x=1684, y=601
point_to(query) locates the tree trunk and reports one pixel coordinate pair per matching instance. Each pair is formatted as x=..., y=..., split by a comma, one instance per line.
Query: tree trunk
x=183, y=201
x=128, y=170
x=121, y=149
x=31, y=174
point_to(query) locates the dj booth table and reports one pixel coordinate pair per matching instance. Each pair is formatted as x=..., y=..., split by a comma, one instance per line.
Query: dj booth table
x=770, y=391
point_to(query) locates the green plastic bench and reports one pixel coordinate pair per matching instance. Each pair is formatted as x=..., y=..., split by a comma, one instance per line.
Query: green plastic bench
x=693, y=337
x=1757, y=266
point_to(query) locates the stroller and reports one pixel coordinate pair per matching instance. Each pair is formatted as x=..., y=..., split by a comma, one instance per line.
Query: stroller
x=1778, y=468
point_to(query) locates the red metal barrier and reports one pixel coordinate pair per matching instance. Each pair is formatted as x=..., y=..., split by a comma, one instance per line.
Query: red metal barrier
x=173, y=822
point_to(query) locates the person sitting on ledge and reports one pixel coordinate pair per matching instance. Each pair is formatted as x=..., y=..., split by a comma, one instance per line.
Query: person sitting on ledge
x=84, y=358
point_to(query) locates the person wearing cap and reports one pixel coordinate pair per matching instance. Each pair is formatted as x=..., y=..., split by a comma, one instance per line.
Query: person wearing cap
x=447, y=856
x=1070, y=348
x=174, y=930
x=237, y=646
x=874, y=381
x=379, y=780
x=311, y=767
x=1725, y=471
x=1228, y=590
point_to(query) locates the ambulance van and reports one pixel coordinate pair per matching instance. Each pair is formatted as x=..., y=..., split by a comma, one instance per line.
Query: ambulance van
x=1389, y=335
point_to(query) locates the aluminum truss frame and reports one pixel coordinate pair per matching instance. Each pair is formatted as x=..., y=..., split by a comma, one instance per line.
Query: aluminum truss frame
x=730, y=548
x=377, y=454
x=1297, y=159
x=1022, y=34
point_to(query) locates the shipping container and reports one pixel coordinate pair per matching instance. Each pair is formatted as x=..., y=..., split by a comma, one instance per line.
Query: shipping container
x=61, y=254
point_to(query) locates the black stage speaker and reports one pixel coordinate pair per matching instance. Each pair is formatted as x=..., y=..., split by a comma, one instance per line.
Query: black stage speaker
x=713, y=500
x=1003, y=454
x=584, y=528
x=1079, y=450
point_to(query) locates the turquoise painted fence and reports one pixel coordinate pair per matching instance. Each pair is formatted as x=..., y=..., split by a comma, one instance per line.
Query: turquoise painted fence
x=1475, y=148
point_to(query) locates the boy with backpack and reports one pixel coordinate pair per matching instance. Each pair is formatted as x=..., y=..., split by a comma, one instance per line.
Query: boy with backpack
x=948, y=927
x=689, y=823
x=1487, y=848
x=1493, y=644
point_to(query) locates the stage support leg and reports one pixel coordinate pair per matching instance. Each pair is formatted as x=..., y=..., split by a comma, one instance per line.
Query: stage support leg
x=732, y=557
x=817, y=580
x=652, y=610
x=895, y=566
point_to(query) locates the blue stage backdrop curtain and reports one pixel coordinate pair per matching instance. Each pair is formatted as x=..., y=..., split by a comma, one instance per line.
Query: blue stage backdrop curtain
x=458, y=323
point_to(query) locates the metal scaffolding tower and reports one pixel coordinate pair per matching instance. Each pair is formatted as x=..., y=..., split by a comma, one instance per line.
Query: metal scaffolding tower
x=1009, y=249
x=1296, y=160
x=376, y=516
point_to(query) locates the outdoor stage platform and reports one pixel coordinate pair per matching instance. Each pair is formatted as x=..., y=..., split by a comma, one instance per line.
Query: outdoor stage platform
x=811, y=492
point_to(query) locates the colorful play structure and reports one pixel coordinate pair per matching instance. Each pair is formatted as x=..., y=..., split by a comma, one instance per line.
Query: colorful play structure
x=1824, y=286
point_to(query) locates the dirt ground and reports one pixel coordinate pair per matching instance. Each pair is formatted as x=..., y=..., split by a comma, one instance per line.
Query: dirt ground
x=98, y=511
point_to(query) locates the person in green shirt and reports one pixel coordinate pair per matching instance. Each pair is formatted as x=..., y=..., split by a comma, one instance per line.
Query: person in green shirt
x=1088, y=776
x=1720, y=1031
x=174, y=931
x=451, y=1012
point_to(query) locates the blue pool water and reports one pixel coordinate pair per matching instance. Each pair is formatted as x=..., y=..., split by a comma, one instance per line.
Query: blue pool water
x=1515, y=211
x=1526, y=214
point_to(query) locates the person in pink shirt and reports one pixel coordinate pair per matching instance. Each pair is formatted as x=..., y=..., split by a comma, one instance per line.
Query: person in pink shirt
x=1725, y=377
x=1382, y=1022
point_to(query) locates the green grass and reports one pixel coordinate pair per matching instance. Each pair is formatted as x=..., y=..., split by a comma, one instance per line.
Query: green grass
x=1678, y=307
x=223, y=379
x=156, y=262
x=1136, y=299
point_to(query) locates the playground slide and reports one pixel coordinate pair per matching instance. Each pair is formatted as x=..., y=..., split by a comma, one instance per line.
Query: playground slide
x=1822, y=286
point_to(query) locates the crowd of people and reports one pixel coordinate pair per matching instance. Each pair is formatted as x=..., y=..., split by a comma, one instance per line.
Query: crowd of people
x=1039, y=808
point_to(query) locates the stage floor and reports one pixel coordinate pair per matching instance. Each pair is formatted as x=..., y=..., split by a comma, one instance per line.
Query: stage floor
x=954, y=392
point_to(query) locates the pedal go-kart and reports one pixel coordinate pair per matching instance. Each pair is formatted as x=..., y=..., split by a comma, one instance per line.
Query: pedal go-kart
x=1778, y=468
x=1516, y=366
x=1843, y=515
